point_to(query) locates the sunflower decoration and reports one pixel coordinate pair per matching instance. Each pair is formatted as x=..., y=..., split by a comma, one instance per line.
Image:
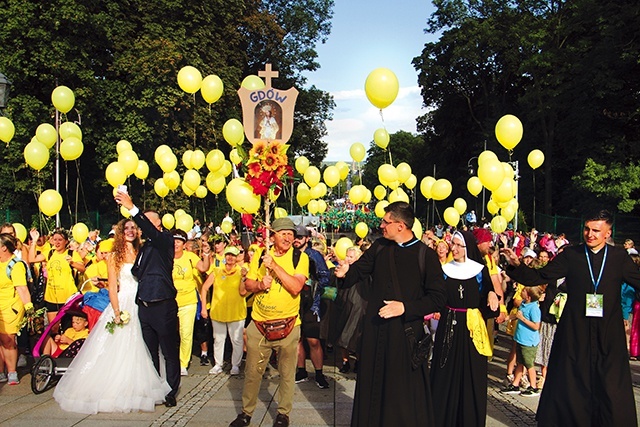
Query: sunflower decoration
x=266, y=167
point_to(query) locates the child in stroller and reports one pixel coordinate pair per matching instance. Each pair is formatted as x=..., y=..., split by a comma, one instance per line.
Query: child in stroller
x=68, y=344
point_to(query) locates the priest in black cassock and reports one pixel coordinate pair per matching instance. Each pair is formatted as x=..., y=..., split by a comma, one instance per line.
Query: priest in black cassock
x=588, y=381
x=389, y=392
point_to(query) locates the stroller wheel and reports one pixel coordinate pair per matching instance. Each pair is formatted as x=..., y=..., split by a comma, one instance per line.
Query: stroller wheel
x=42, y=374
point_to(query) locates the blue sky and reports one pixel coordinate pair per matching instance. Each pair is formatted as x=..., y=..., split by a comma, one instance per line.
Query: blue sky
x=366, y=35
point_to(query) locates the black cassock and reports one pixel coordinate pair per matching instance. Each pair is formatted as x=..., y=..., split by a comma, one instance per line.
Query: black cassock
x=388, y=391
x=588, y=382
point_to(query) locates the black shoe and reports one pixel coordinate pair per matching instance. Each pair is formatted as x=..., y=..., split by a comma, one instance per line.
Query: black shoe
x=204, y=360
x=321, y=381
x=301, y=376
x=170, y=401
x=281, y=420
x=355, y=367
x=241, y=420
x=346, y=367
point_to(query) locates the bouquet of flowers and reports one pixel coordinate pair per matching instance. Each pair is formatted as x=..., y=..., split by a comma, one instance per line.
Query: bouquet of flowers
x=266, y=166
x=34, y=321
x=124, y=319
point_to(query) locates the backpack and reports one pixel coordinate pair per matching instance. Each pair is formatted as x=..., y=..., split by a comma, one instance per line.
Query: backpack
x=12, y=262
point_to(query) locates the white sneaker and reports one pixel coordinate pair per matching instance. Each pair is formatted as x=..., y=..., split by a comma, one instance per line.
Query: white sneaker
x=508, y=380
x=524, y=382
x=22, y=361
x=235, y=370
x=183, y=372
x=217, y=369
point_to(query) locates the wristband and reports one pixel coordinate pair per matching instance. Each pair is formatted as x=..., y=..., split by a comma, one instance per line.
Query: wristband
x=28, y=306
x=503, y=308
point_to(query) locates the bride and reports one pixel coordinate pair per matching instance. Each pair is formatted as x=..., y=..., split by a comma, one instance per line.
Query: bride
x=113, y=372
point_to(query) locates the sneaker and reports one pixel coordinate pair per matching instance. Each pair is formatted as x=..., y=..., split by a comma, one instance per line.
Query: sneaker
x=235, y=370
x=12, y=378
x=281, y=420
x=321, y=381
x=345, y=367
x=183, y=372
x=511, y=389
x=3, y=377
x=530, y=391
x=525, y=382
x=215, y=371
x=241, y=420
x=508, y=379
x=22, y=361
x=204, y=360
x=301, y=376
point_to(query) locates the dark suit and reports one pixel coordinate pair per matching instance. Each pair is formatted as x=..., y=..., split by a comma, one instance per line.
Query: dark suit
x=158, y=309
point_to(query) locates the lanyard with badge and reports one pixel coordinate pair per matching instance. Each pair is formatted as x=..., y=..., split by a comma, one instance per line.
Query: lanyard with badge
x=595, y=301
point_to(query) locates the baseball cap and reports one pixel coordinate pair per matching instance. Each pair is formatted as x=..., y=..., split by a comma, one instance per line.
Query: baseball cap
x=232, y=250
x=302, y=231
x=529, y=252
x=280, y=224
x=482, y=235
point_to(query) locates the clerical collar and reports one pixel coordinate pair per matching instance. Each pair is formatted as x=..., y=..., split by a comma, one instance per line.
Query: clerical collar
x=411, y=242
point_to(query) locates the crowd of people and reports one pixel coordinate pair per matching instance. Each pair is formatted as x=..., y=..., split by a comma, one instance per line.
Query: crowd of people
x=415, y=318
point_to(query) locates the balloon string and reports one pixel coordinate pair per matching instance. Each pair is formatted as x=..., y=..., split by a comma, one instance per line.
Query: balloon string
x=195, y=108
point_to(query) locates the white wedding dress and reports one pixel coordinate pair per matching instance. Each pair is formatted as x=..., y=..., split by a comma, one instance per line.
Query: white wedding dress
x=113, y=372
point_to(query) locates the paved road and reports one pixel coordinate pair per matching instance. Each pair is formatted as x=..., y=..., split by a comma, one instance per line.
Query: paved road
x=214, y=400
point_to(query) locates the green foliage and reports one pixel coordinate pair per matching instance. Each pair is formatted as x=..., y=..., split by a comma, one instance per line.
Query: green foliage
x=614, y=183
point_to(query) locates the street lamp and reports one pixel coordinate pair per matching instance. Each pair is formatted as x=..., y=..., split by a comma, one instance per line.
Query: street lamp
x=516, y=178
x=472, y=172
x=5, y=87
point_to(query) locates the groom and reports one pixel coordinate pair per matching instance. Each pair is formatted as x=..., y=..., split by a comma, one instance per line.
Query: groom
x=156, y=299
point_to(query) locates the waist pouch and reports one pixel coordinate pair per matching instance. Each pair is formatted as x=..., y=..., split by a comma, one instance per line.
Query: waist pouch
x=274, y=330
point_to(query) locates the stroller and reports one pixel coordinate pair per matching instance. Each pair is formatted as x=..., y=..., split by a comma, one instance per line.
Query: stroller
x=47, y=370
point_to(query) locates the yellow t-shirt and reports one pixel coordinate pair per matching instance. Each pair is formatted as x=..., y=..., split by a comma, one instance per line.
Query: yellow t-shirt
x=491, y=265
x=183, y=278
x=217, y=261
x=8, y=294
x=60, y=283
x=226, y=304
x=74, y=335
x=278, y=303
x=95, y=269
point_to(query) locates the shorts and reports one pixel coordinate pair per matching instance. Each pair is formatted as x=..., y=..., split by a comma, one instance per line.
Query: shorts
x=310, y=327
x=52, y=306
x=526, y=355
x=11, y=317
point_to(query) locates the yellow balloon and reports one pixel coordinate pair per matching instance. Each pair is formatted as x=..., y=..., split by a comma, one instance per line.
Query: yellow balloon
x=474, y=185
x=241, y=197
x=505, y=192
x=381, y=138
x=303, y=186
x=142, y=171
x=211, y=88
x=322, y=206
x=125, y=212
x=316, y=191
x=129, y=160
x=21, y=231
x=226, y=227
x=233, y=132
x=492, y=207
x=367, y=195
x=398, y=195
x=115, y=174
x=226, y=168
x=168, y=162
x=379, y=209
x=508, y=212
x=186, y=158
x=387, y=174
x=302, y=163
x=362, y=230
x=71, y=148
x=168, y=221
x=235, y=157
x=344, y=170
x=280, y=213
x=486, y=155
x=160, y=188
x=197, y=159
x=303, y=197
x=63, y=99
x=46, y=134
x=123, y=145
x=356, y=194
x=201, y=192
x=381, y=87
x=426, y=185
x=184, y=223
x=50, y=202
x=189, y=79
x=331, y=176
x=460, y=205
x=187, y=190
x=341, y=246
x=404, y=172
x=36, y=154
x=215, y=160
x=312, y=206
x=192, y=179
x=68, y=129
x=535, y=159
x=215, y=182
x=451, y=216
x=411, y=182
x=380, y=192
x=161, y=151
x=417, y=228
x=441, y=189
x=509, y=131
x=491, y=174
x=7, y=130
x=178, y=213
x=253, y=82
x=498, y=224
x=357, y=151
x=80, y=232
x=172, y=179
x=312, y=176
x=508, y=170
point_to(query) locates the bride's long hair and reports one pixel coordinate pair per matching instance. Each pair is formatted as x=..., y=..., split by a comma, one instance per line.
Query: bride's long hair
x=119, y=252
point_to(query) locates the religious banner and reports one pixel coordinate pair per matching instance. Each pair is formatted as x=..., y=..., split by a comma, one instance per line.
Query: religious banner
x=267, y=113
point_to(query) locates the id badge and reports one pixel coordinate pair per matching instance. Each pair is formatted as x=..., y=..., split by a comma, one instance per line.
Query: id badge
x=595, y=305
